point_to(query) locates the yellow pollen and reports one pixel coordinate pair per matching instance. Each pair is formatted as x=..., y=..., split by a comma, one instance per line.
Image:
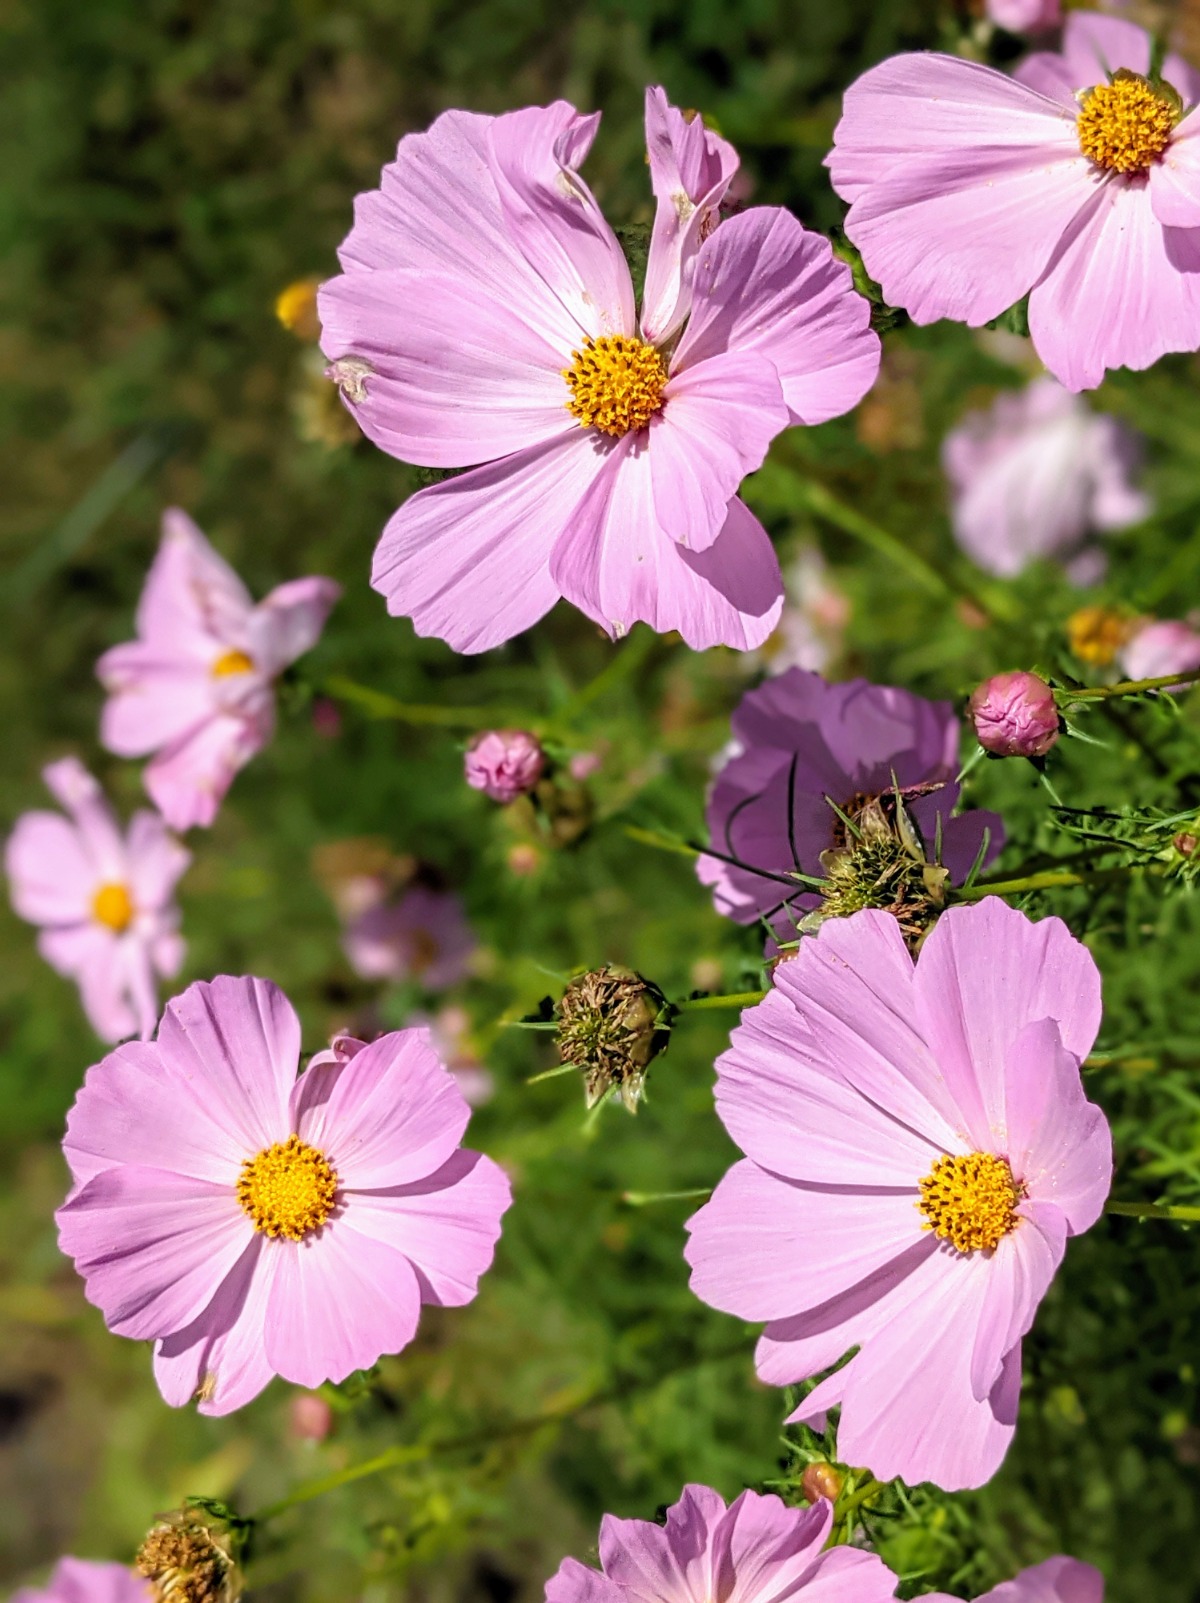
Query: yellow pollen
x=1127, y=124
x=112, y=906
x=970, y=1202
x=231, y=662
x=616, y=384
x=288, y=1189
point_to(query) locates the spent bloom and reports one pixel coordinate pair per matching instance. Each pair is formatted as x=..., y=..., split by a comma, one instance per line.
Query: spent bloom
x=1035, y=475
x=755, y=1548
x=1077, y=182
x=1015, y=715
x=103, y=900
x=80, y=1580
x=504, y=763
x=1055, y=1580
x=918, y=1149
x=422, y=934
x=1025, y=16
x=253, y=1224
x=196, y=688
x=485, y=319
x=1160, y=648
x=801, y=743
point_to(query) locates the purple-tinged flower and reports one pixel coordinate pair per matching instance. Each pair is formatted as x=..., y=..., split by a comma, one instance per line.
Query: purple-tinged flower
x=755, y=1549
x=422, y=935
x=196, y=687
x=485, y=318
x=1015, y=715
x=80, y=1580
x=918, y=1149
x=801, y=743
x=1157, y=649
x=1025, y=16
x=104, y=902
x=1055, y=1580
x=1036, y=474
x=1077, y=183
x=504, y=763
x=254, y=1224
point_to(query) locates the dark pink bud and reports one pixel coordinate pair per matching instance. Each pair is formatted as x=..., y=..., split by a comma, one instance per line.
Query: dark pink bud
x=1015, y=715
x=310, y=1416
x=504, y=763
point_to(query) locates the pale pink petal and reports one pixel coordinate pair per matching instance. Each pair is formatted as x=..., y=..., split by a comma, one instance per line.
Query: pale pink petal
x=220, y=1359
x=1095, y=46
x=192, y=597
x=1055, y=1580
x=96, y=959
x=51, y=879
x=152, y=697
x=764, y=1551
x=137, y=967
x=665, y=1564
x=187, y=780
x=1059, y=1144
x=288, y=622
x=156, y=860
x=1020, y=1271
x=1051, y=75
x=69, y=782
x=574, y=1582
x=77, y=1580
x=844, y=1575
x=1175, y=177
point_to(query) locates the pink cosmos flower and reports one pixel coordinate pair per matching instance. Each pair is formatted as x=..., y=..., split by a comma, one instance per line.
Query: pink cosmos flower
x=757, y=1548
x=196, y=687
x=1025, y=16
x=79, y=1580
x=969, y=190
x=423, y=935
x=801, y=743
x=1160, y=648
x=1035, y=475
x=919, y=1148
x=254, y=1224
x=485, y=318
x=504, y=763
x=104, y=901
x=1056, y=1580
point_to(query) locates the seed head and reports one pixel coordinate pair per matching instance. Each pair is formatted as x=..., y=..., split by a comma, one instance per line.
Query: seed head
x=610, y=1025
x=190, y=1555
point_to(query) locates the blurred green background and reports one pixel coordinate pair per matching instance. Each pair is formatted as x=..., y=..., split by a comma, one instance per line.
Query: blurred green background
x=167, y=167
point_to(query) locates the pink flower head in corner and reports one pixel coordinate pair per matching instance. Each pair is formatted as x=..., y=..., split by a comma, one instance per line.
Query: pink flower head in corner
x=196, y=688
x=1055, y=1580
x=254, y=1224
x=1036, y=474
x=918, y=1149
x=1025, y=16
x=80, y=1580
x=423, y=935
x=1157, y=649
x=485, y=319
x=753, y=1549
x=1077, y=182
x=803, y=741
x=104, y=901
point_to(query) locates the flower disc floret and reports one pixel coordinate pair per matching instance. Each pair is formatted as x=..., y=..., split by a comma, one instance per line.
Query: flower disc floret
x=1127, y=124
x=112, y=906
x=616, y=384
x=230, y=663
x=289, y=1189
x=970, y=1201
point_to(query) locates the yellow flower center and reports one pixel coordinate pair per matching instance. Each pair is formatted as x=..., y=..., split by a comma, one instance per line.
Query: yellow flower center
x=1096, y=634
x=112, y=906
x=289, y=1189
x=231, y=662
x=616, y=384
x=971, y=1201
x=1127, y=124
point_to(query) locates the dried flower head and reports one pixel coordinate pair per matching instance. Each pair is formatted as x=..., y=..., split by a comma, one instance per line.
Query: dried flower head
x=191, y=1555
x=610, y=1026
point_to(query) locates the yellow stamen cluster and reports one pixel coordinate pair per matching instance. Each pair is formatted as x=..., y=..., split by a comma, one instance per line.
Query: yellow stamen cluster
x=616, y=384
x=231, y=662
x=1126, y=125
x=1096, y=634
x=970, y=1201
x=112, y=906
x=289, y=1189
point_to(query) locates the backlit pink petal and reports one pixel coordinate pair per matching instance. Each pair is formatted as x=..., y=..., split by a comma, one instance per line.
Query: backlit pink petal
x=152, y=697
x=156, y=860
x=1094, y=46
x=574, y=1582
x=188, y=779
x=192, y=596
x=77, y=1580
x=1175, y=177
x=50, y=877
x=221, y=1357
x=96, y=960
x=670, y=1563
x=1022, y=1267
x=1059, y=1144
x=1159, y=649
x=844, y=1575
x=1055, y=1580
x=977, y=834
x=69, y=782
x=761, y=1551
x=289, y=621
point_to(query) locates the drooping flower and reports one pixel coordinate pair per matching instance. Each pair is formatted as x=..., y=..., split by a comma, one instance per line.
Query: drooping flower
x=1077, y=182
x=1015, y=715
x=800, y=744
x=196, y=688
x=1159, y=648
x=918, y=1149
x=754, y=1549
x=103, y=900
x=1035, y=475
x=1025, y=16
x=1055, y=1580
x=421, y=935
x=485, y=318
x=254, y=1224
x=504, y=763
x=80, y=1580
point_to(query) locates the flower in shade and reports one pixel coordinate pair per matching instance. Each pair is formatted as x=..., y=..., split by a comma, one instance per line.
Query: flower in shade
x=254, y=1224
x=485, y=318
x=79, y=1580
x=1077, y=182
x=756, y=1548
x=1056, y=1580
x=1035, y=475
x=196, y=688
x=103, y=900
x=800, y=744
x=1157, y=649
x=918, y=1149
x=1015, y=715
x=1025, y=16
x=504, y=763
x=421, y=935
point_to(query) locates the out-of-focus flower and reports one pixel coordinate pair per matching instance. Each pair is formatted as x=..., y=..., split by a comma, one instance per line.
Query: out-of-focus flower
x=104, y=902
x=1025, y=16
x=79, y=1580
x=1036, y=474
x=891, y=415
x=803, y=743
x=609, y=1029
x=326, y=717
x=1015, y=715
x=1156, y=649
x=310, y=1417
x=296, y=308
x=504, y=763
x=1077, y=182
x=583, y=765
x=918, y=1150
x=1096, y=634
x=814, y=618
x=755, y=1548
x=255, y=1224
x=422, y=935
x=1056, y=1580
x=196, y=687
x=485, y=315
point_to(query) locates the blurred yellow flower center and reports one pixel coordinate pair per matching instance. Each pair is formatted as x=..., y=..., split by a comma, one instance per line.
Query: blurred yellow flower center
x=1096, y=634
x=288, y=1189
x=1127, y=124
x=231, y=662
x=616, y=384
x=970, y=1202
x=112, y=906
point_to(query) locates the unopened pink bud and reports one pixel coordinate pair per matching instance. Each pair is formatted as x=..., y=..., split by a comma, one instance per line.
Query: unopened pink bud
x=1015, y=715
x=504, y=763
x=310, y=1417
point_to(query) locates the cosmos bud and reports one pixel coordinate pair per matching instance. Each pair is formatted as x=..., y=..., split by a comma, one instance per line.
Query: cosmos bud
x=504, y=763
x=1015, y=715
x=821, y=1481
x=610, y=1027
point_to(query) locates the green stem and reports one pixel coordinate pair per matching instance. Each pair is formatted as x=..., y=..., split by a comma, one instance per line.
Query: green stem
x=620, y=666
x=378, y=704
x=1127, y=687
x=643, y=1199
x=1050, y=880
x=1154, y=1210
x=734, y=999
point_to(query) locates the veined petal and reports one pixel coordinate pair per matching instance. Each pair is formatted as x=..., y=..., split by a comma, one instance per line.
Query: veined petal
x=1020, y=1270
x=1059, y=1143
x=220, y=1359
x=1175, y=177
